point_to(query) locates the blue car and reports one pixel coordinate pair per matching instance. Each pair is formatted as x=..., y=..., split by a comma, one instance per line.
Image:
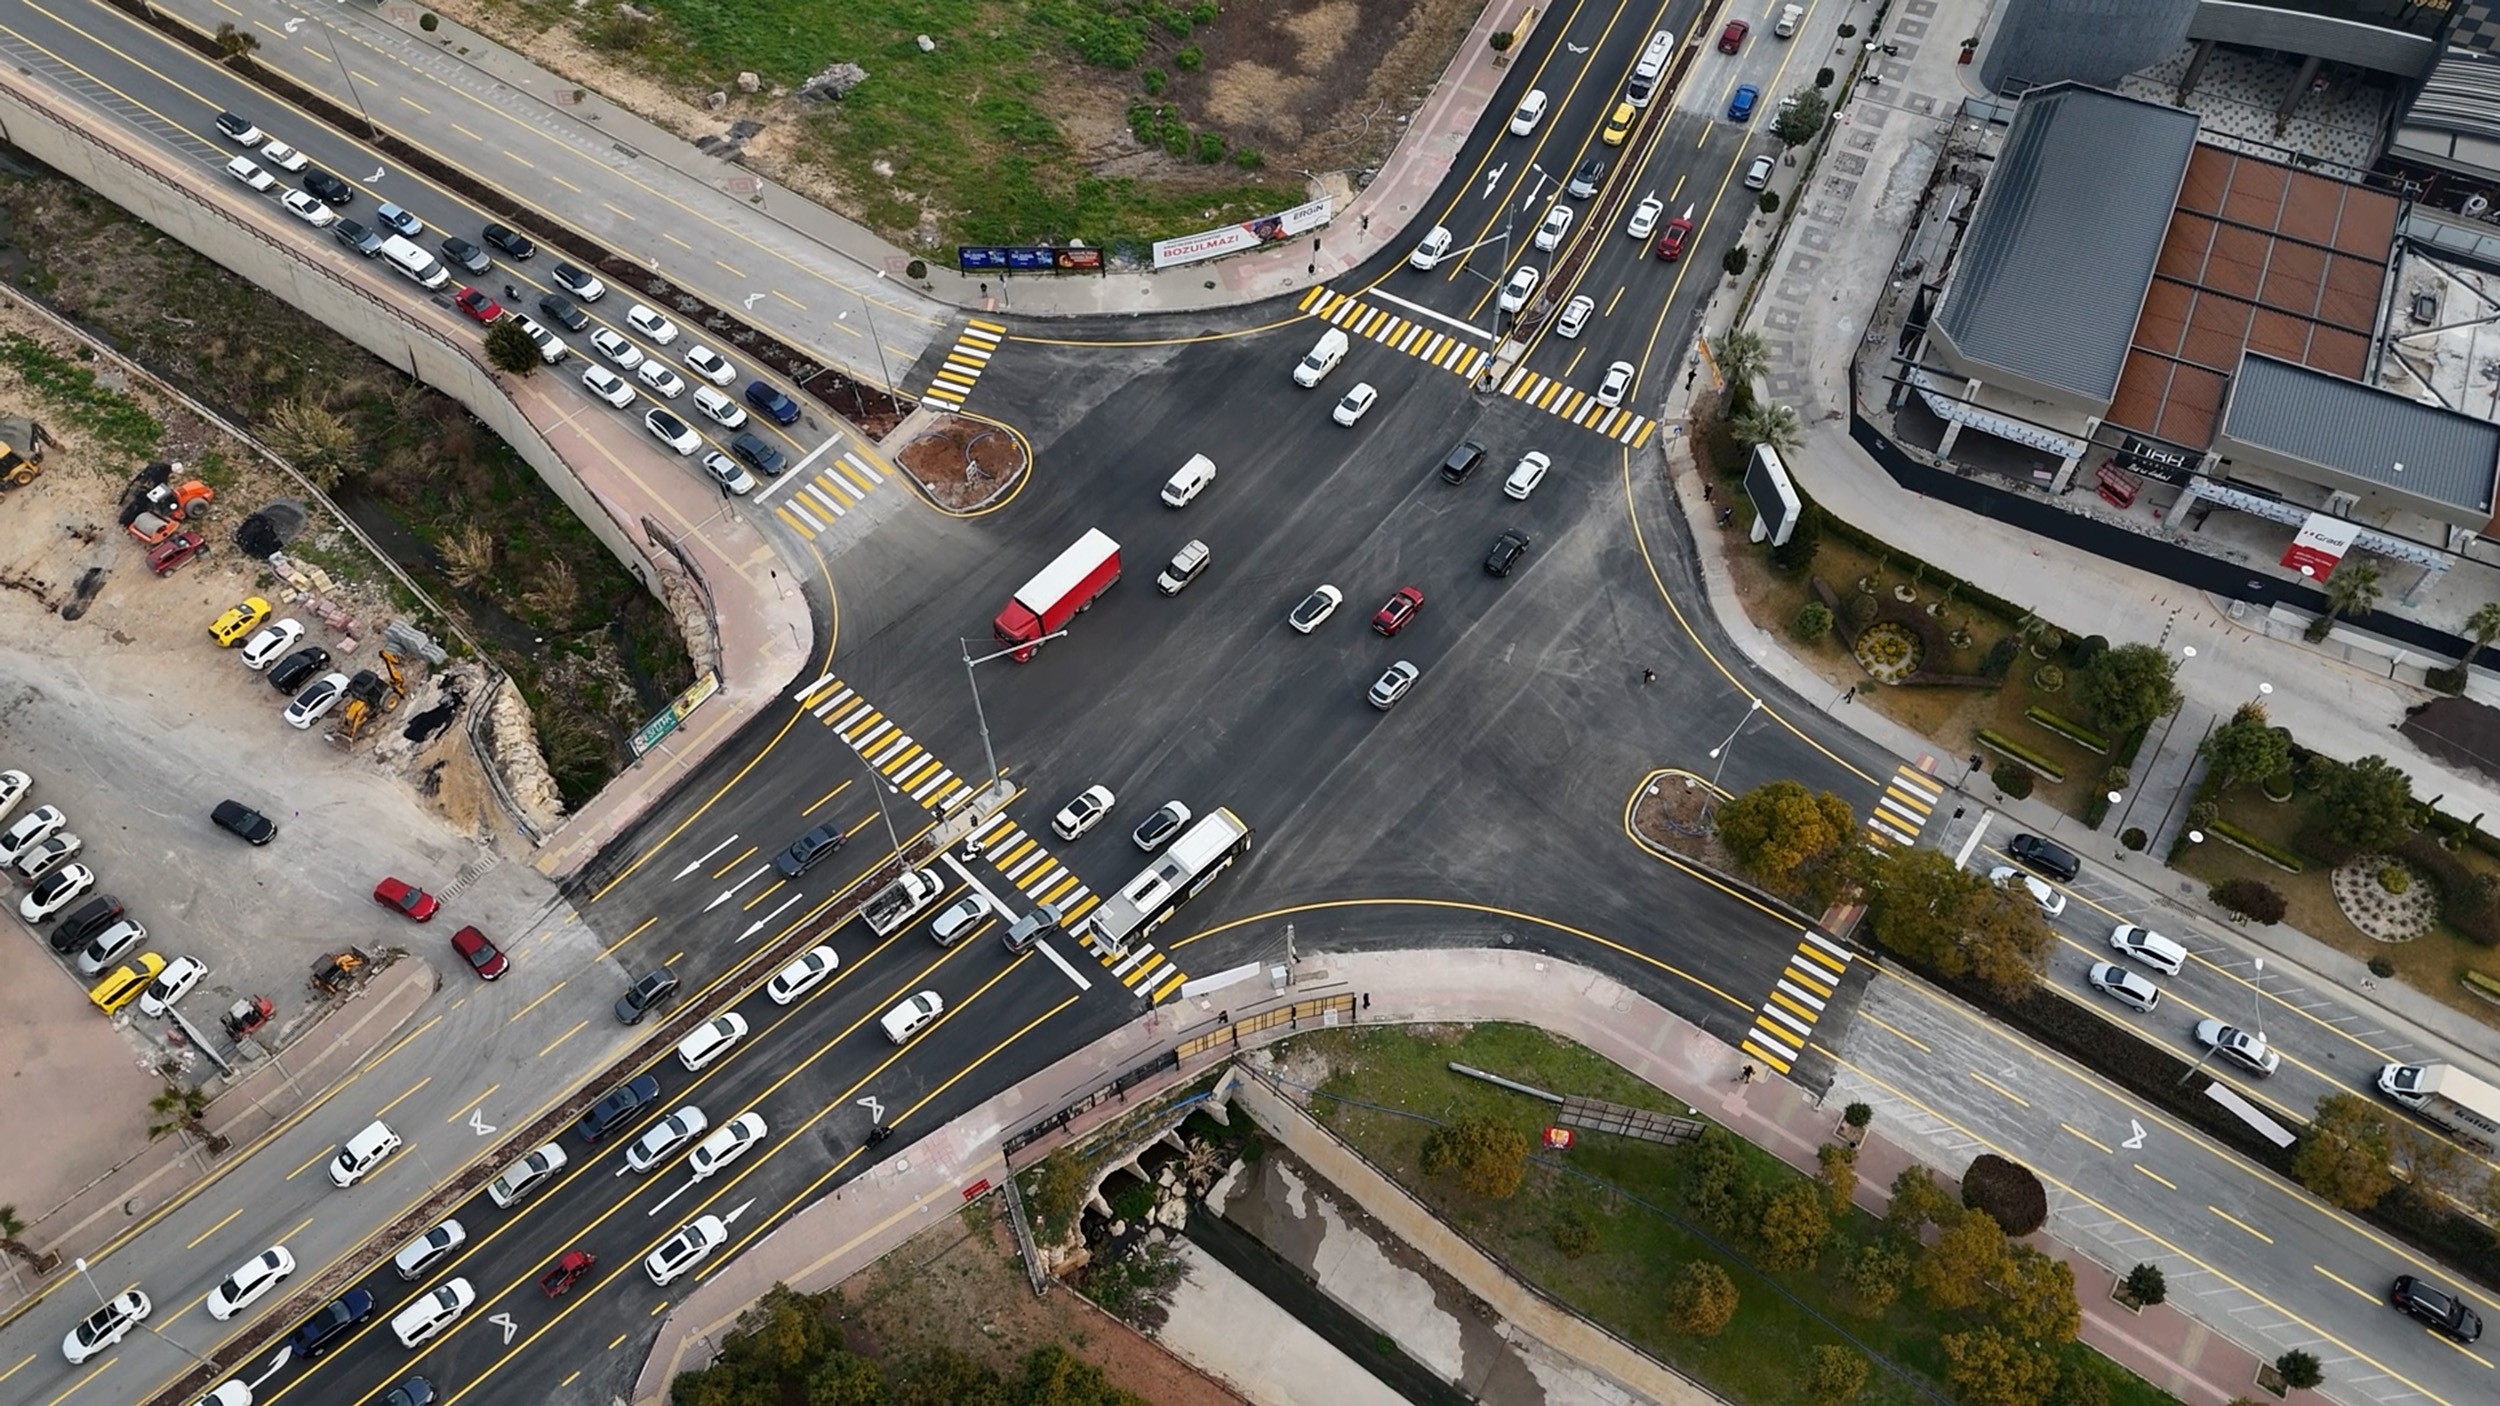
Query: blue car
x=1740, y=107
x=782, y=408
x=322, y=1331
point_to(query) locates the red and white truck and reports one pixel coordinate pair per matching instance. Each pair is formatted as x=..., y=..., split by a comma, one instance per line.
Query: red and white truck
x=1045, y=604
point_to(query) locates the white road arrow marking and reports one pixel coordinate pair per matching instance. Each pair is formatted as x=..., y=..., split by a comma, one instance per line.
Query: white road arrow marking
x=732, y=891
x=1493, y=178
x=478, y=1123
x=375, y=178
x=876, y=1110
x=2137, y=1141
x=294, y=25
x=732, y=1217
x=768, y=919
x=753, y=299
x=689, y=1186
x=285, y=1355
x=1577, y=48
x=505, y=1322
x=702, y=859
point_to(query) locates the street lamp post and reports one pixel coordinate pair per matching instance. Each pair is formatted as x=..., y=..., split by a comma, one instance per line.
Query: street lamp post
x=372, y=128
x=1719, y=753
x=2256, y=994
x=876, y=783
x=987, y=753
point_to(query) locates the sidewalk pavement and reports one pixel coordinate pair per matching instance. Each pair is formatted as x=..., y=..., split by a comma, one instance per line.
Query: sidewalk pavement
x=850, y=1229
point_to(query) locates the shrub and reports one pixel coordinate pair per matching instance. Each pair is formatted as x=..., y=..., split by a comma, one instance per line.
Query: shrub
x=2248, y=898
x=1191, y=59
x=2008, y=1192
x=2049, y=678
x=1998, y=742
x=1848, y=31
x=1734, y=260
x=1874, y=1276
x=1769, y=203
x=2134, y=838
x=1857, y=1115
x=2394, y=879
x=1835, y=1373
x=2382, y=968
x=1248, y=160
x=1861, y=608
x=2449, y=681
x=429, y=22
x=2067, y=728
x=1701, y=1299
x=1574, y=1232
x=2257, y=845
x=2145, y=1285
x=1154, y=79
x=1210, y=148
x=2000, y=656
x=2079, y=1385
x=1822, y=78
x=2300, y=1370
x=916, y=269
x=1483, y=1155
x=1813, y=623
x=2013, y=778
x=1503, y=39
x=2087, y=649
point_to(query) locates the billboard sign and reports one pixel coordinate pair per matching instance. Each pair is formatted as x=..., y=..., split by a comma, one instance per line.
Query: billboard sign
x=2321, y=543
x=1776, y=506
x=1249, y=234
x=1027, y=258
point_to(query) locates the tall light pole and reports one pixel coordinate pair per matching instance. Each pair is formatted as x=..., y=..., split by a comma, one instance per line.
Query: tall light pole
x=876, y=783
x=1719, y=753
x=331, y=38
x=989, y=754
x=2256, y=994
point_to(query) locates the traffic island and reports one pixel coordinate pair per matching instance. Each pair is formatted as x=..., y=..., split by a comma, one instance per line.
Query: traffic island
x=965, y=463
x=1670, y=811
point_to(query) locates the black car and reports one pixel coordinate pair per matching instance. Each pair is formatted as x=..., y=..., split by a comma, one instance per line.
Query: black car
x=244, y=822
x=1461, y=461
x=510, y=240
x=322, y=1331
x=646, y=996
x=292, y=672
x=781, y=408
x=416, y=1391
x=560, y=310
x=612, y=1112
x=1507, y=550
x=2442, y=1311
x=357, y=237
x=762, y=457
x=1586, y=180
x=328, y=188
x=83, y=922
x=804, y=851
x=2046, y=856
x=465, y=255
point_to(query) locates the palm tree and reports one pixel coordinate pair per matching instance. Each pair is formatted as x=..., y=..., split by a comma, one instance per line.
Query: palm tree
x=1742, y=356
x=2484, y=626
x=1773, y=425
x=11, y=1227
x=183, y=1106
x=2352, y=590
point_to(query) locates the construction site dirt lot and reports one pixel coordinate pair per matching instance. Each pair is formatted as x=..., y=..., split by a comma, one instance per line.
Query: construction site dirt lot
x=129, y=717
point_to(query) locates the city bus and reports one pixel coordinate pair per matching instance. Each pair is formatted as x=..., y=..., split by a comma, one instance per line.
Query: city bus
x=1187, y=865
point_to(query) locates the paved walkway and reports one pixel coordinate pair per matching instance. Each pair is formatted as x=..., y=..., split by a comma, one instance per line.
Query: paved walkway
x=847, y=1231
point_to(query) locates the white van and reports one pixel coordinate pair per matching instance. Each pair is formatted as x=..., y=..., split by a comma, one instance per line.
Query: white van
x=433, y=1313
x=719, y=409
x=711, y=1041
x=1191, y=481
x=1653, y=65
x=1323, y=358
x=362, y=1153
x=911, y=1017
x=420, y=267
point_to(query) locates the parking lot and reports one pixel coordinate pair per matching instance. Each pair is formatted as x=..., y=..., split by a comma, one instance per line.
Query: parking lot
x=133, y=722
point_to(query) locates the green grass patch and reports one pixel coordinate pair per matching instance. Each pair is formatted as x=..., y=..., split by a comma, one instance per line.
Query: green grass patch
x=119, y=425
x=1633, y=1193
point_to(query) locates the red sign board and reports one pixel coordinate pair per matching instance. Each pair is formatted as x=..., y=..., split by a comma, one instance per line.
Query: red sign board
x=1558, y=1139
x=977, y=1190
x=2321, y=543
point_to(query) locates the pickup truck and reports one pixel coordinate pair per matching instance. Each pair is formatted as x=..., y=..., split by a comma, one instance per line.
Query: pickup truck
x=901, y=901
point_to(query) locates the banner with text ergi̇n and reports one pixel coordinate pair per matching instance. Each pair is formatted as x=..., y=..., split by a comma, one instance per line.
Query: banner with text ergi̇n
x=1249, y=234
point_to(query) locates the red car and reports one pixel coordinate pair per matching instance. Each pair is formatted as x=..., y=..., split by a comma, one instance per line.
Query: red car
x=484, y=957
x=1732, y=38
x=407, y=898
x=477, y=305
x=175, y=552
x=1671, y=239
x=1401, y=608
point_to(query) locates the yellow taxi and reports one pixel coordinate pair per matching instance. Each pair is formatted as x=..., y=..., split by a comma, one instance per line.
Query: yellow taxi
x=124, y=986
x=231, y=627
x=1619, y=126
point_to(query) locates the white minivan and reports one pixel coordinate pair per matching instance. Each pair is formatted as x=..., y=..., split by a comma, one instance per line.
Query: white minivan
x=711, y=1041
x=418, y=266
x=362, y=1153
x=430, y=1315
x=1323, y=359
x=1191, y=481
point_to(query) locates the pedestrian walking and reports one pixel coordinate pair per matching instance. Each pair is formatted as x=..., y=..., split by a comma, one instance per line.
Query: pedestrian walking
x=1648, y=677
x=1708, y=489
x=1725, y=514
x=1748, y=1076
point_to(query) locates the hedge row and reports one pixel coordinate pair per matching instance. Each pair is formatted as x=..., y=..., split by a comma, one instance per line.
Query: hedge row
x=2074, y=732
x=1996, y=741
x=2264, y=849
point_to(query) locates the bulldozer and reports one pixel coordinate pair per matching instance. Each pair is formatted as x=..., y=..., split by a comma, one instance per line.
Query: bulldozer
x=22, y=444
x=369, y=695
x=154, y=508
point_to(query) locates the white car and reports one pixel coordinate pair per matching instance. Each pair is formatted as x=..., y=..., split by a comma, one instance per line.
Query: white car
x=711, y=1040
x=1617, y=385
x=727, y=1144
x=2050, y=900
x=728, y=472
x=911, y=1015
x=306, y=206
x=1557, y=224
x=1644, y=221
x=1758, y=174
x=255, y=1277
x=359, y=1155
x=317, y=699
x=240, y=130
x=271, y=642
x=719, y=409
x=31, y=829
x=1429, y=253
x=616, y=347
x=1393, y=684
x=802, y=975
x=228, y=1393
x=1083, y=813
x=1531, y=112
x=1316, y=607
x=431, y=1314
x=1575, y=315
x=671, y=431
x=171, y=985
x=2149, y=948
x=1522, y=287
x=42, y=859
x=958, y=918
x=651, y=324
x=710, y=365
x=282, y=156
x=685, y=1249
x=243, y=170
x=1529, y=473
x=525, y=1176
x=13, y=788
x=1157, y=830
x=1357, y=403
x=665, y=1137
x=659, y=378
x=2127, y=988
x=106, y=1326
x=2249, y=1052
x=608, y=386
x=55, y=891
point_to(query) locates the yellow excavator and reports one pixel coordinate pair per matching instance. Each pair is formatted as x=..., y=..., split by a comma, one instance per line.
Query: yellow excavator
x=22, y=444
x=370, y=694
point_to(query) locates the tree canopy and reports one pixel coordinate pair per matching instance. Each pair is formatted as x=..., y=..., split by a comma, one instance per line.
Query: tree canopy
x=1787, y=836
x=2129, y=686
x=2368, y=803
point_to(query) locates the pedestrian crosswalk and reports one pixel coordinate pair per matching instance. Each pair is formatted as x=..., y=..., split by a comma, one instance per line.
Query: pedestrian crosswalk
x=1578, y=406
x=1412, y=337
x=826, y=493
x=965, y=361
x=913, y=771
x=1805, y=988
x=1901, y=811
